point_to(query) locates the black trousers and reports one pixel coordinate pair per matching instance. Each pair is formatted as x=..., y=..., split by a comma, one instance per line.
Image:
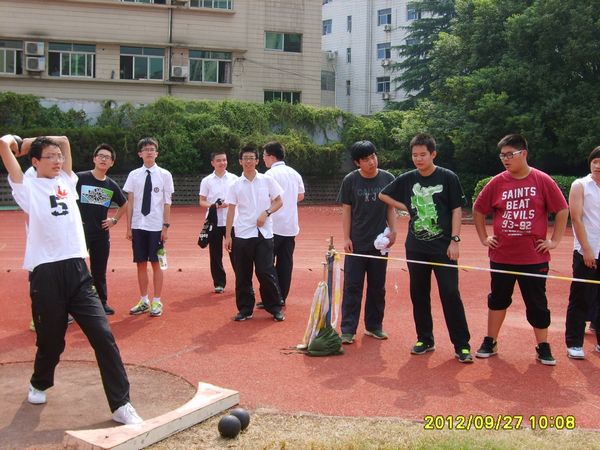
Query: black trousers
x=581, y=296
x=452, y=305
x=65, y=287
x=255, y=253
x=215, y=250
x=99, y=250
x=283, y=252
x=355, y=270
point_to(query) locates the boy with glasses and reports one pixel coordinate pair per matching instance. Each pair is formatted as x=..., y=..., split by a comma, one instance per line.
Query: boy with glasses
x=252, y=199
x=96, y=193
x=149, y=190
x=519, y=200
x=433, y=197
x=60, y=282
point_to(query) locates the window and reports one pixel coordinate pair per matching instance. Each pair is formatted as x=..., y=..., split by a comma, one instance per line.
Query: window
x=215, y=4
x=384, y=16
x=349, y=24
x=282, y=96
x=327, y=80
x=412, y=14
x=156, y=2
x=71, y=60
x=210, y=67
x=383, y=84
x=326, y=1
x=348, y=55
x=283, y=42
x=327, y=27
x=348, y=87
x=384, y=51
x=412, y=41
x=11, y=57
x=142, y=63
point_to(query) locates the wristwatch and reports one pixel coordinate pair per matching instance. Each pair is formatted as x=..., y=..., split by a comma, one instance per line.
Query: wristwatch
x=455, y=238
x=269, y=212
x=166, y=225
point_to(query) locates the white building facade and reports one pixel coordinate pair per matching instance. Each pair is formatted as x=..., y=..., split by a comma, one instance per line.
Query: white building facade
x=358, y=40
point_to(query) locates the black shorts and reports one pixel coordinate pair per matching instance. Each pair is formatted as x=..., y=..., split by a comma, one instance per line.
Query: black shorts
x=145, y=244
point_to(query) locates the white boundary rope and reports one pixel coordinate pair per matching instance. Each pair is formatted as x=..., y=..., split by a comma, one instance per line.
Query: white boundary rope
x=484, y=269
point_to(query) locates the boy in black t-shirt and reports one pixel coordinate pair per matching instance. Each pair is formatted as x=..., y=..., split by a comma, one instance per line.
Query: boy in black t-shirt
x=433, y=197
x=364, y=217
x=96, y=193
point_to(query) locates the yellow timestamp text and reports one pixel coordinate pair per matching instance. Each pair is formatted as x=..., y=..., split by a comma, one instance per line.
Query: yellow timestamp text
x=499, y=422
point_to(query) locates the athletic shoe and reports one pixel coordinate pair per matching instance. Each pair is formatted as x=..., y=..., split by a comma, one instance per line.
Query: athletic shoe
x=219, y=289
x=260, y=305
x=156, y=309
x=377, y=334
x=32, y=325
x=140, y=308
x=278, y=317
x=107, y=309
x=489, y=347
x=464, y=356
x=575, y=352
x=127, y=415
x=347, y=338
x=420, y=348
x=35, y=396
x=544, y=355
x=239, y=317
x=70, y=319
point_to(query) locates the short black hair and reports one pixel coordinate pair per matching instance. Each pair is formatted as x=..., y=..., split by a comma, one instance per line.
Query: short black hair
x=595, y=154
x=362, y=149
x=248, y=149
x=147, y=141
x=218, y=152
x=38, y=146
x=423, y=139
x=513, y=140
x=275, y=149
x=108, y=148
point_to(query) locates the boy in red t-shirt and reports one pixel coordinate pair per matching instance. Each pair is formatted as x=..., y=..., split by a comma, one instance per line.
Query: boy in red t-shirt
x=519, y=200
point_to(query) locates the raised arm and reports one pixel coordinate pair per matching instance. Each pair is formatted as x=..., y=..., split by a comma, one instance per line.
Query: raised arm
x=8, y=150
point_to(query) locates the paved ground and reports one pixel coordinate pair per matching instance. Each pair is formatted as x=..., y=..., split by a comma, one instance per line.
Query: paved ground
x=195, y=340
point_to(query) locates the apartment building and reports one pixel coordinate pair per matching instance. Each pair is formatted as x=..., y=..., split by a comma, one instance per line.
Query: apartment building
x=83, y=52
x=358, y=40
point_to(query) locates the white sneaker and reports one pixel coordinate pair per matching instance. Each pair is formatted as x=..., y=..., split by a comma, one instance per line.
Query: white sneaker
x=126, y=414
x=575, y=352
x=35, y=396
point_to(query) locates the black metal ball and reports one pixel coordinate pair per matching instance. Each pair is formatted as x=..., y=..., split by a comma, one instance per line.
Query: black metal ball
x=229, y=426
x=242, y=415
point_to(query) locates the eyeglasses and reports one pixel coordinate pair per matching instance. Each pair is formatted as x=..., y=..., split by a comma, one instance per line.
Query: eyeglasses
x=104, y=157
x=54, y=158
x=248, y=158
x=509, y=155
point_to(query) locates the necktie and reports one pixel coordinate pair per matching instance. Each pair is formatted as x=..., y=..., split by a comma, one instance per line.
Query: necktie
x=147, y=194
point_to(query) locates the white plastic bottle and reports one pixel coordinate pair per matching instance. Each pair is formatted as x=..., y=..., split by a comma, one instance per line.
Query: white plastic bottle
x=162, y=258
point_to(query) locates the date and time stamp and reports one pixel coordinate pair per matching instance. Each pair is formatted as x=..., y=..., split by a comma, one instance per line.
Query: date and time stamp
x=499, y=422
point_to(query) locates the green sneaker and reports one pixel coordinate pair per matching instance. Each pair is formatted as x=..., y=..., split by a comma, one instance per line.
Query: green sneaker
x=140, y=308
x=420, y=348
x=156, y=309
x=377, y=334
x=347, y=338
x=464, y=356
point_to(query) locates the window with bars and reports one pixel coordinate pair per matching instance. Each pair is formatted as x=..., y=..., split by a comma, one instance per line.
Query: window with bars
x=66, y=59
x=282, y=96
x=142, y=63
x=210, y=67
x=215, y=4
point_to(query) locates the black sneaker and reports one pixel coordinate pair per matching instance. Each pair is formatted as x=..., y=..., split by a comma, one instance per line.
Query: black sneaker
x=239, y=317
x=464, y=356
x=278, y=317
x=108, y=310
x=260, y=305
x=489, y=347
x=544, y=355
x=420, y=348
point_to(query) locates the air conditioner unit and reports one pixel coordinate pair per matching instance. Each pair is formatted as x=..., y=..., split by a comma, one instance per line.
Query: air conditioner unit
x=387, y=27
x=34, y=48
x=385, y=62
x=331, y=55
x=385, y=96
x=179, y=71
x=35, y=64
